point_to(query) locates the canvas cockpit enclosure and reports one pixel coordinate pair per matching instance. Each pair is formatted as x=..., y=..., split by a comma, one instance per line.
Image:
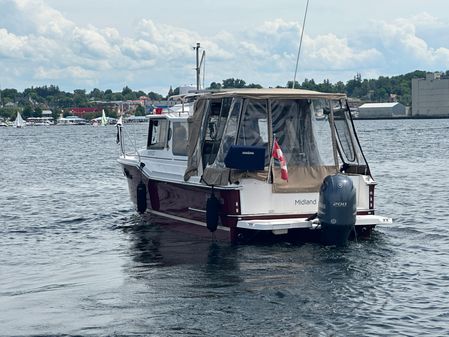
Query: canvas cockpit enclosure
x=314, y=131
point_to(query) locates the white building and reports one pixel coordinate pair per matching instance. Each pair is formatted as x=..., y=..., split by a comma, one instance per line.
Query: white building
x=430, y=96
x=46, y=113
x=381, y=110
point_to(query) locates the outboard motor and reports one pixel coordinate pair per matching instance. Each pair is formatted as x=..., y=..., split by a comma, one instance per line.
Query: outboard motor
x=337, y=209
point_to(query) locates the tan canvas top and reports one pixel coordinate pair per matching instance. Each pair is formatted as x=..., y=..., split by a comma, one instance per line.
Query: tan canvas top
x=279, y=93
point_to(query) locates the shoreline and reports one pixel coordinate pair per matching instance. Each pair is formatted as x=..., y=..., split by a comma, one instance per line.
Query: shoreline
x=401, y=117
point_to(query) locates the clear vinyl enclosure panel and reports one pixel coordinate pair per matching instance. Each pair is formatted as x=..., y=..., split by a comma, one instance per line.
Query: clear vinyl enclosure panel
x=301, y=129
x=349, y=147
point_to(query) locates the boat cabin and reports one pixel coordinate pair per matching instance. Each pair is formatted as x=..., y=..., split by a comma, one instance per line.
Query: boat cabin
x=230, y=136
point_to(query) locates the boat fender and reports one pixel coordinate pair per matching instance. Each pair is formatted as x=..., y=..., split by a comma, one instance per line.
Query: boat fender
x=141, y=197
x=212, y=210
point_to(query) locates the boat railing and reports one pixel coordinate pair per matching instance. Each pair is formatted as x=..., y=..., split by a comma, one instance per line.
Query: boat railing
x=127, y=143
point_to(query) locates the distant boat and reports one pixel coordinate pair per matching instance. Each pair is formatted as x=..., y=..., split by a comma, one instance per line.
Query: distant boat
x=104, y=119
x=71, y=120
x=19, y=122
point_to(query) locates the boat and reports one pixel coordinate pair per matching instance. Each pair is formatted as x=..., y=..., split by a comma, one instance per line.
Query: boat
x=71, y=120
x=19, y=121
x=104, y=119
x=250, y=164
x=40, y=121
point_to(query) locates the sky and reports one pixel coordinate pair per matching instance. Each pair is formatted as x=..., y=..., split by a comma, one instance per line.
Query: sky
x=147, y=45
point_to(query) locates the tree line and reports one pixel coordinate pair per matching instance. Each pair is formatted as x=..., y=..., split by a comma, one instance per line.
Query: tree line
x=382, y=89
x=33, y=100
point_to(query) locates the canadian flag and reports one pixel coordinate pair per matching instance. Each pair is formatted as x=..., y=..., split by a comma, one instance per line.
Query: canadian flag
x=277, y=154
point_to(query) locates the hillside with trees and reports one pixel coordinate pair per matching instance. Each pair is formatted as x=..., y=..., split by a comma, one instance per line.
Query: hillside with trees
x=33, y=100
x=382, y=89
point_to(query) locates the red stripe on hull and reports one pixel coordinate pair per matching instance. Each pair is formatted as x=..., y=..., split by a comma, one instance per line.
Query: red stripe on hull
x=184, y=201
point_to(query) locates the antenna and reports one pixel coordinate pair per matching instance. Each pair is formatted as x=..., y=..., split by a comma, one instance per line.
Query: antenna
x=197, y=49
x=300, y=44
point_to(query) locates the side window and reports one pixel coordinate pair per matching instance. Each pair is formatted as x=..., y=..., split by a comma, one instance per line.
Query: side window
x=157, y=133
x=344, y=133
x=179, y=142
x=215, y=123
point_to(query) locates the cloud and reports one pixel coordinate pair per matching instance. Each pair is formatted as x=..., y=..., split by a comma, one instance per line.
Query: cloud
x=11, y=45
x=400, y=40
x=39, y=44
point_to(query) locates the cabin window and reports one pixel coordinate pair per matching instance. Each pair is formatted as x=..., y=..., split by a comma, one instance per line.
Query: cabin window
x=344, y=134
x=230, y=132
x=179, y=139
x=322, y=131
x=215, y=123
x=253, y=129
x=293, y=127
x=157, y=133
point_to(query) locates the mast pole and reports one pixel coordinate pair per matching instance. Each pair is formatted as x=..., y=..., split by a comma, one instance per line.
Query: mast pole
x=197, y=66
x=300, y=44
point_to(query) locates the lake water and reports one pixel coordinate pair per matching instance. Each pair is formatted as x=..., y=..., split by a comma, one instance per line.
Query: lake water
x=75, y=259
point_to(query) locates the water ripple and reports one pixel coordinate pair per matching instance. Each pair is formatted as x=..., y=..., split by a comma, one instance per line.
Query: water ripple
x=76, y=259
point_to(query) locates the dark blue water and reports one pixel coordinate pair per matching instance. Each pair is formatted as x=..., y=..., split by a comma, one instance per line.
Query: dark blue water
x=75, y=259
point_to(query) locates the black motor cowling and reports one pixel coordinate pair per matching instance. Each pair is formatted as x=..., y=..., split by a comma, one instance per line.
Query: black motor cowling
x=337, y=209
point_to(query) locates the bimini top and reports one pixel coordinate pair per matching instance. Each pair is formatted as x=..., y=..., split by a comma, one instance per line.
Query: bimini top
x=279, y=93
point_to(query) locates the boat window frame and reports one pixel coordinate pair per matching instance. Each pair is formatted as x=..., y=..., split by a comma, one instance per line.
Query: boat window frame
x=209, y=140
x=360, y=164
x=163, y=137
x=179, y=149
x=243, y=110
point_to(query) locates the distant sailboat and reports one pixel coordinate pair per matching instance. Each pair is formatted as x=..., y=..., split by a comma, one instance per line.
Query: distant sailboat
x=104, y=119
x=19, y=122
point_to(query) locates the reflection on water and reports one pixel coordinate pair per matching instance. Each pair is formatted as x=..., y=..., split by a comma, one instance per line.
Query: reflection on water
x=75, y=259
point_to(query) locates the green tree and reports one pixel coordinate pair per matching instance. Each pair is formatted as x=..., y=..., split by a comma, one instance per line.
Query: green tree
x=170, y=92
x=108, y=94
x=140, y=111
x=233, y=83
x=290, y=84
x=128, y=94
x=80, y=98
x=154, y=96
x=27, y=111
x=37, y=112
x=96, y=94
x=253, y=85
x=215, y=86
x=9, y=95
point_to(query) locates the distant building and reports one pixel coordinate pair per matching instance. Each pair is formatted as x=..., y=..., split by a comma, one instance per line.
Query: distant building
x=186, y=89
x=381, y=110
x=430, y=96
x=80, y=112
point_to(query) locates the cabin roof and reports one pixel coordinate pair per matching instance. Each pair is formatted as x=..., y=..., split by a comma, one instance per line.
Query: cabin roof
x=284, y=93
